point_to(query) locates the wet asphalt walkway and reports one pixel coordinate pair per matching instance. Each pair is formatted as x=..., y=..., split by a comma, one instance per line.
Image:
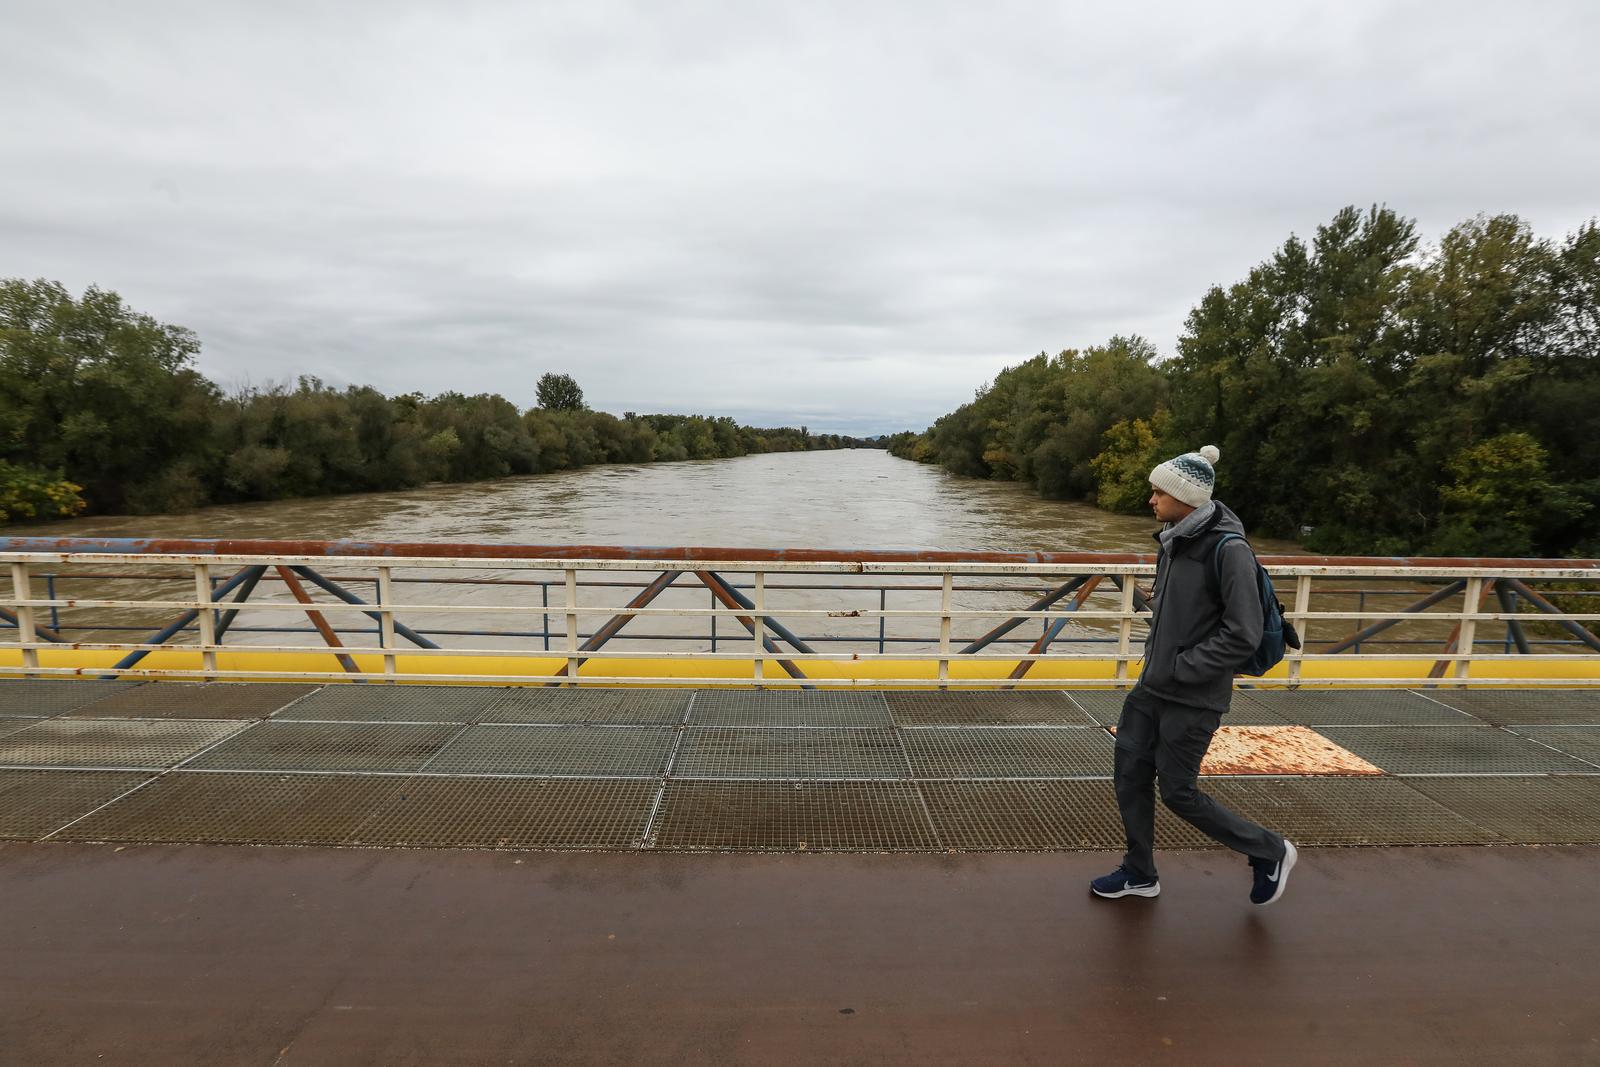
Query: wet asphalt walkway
x=226, y=955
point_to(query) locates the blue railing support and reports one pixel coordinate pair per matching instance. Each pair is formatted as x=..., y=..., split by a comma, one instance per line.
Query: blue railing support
x=772, y=624
x=1508, y=605
x=1361, y=606
x=1582, y=633
x=1140, y=601
x=45, y=632
x=350, y=598
x=244, y=594
x=1038, y=605
x=883, y=605
x=731, y=598
x=1378, y=627
x=162, y=636
x=613, y=627
x=1053, y=629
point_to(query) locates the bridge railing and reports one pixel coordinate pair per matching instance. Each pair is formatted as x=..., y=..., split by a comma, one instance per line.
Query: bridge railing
x=608, y=616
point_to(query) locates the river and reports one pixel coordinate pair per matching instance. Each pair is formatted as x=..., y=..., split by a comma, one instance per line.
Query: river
x=853, y=499
x=857, y=498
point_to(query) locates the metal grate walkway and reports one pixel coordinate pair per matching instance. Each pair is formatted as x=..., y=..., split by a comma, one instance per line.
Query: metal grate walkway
x=489, y=767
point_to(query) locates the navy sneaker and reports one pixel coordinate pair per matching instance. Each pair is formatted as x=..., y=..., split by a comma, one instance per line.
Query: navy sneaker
x=1272, y=876
x=1119, y=883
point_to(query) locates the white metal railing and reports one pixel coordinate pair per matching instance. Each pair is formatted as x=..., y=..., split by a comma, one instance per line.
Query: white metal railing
x=642, y=617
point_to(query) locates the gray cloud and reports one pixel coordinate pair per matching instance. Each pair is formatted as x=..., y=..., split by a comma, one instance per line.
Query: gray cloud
x=844, y=215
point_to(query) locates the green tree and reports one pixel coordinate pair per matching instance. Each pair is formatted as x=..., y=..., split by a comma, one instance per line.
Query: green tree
x=492, y=438
x=1290, y=371
x=29, y=493
x=96, y=390
x=1041, y=421
x=559, y=392
x=108, y=398
x=1501, y=500
x=1352, y=382
x=1122, y=468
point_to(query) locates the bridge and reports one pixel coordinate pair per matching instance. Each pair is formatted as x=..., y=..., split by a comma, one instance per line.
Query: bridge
x=572, y=721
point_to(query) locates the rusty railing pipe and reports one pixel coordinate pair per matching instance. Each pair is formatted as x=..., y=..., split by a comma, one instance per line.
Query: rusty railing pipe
x=684, y=554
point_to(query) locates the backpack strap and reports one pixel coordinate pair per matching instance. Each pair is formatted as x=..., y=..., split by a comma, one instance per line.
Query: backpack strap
x=1216, y=556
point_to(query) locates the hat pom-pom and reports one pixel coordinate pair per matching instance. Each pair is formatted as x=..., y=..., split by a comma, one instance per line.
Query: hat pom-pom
x=1210, y=454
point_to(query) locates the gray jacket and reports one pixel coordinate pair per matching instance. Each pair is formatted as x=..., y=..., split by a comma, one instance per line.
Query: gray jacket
x=1202, y=630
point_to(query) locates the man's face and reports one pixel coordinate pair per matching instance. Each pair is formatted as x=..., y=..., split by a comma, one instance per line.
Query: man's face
x=1167, y=507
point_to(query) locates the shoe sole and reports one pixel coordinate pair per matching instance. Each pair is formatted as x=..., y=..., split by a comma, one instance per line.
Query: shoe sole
x=1131, y=891
x=1290, y=856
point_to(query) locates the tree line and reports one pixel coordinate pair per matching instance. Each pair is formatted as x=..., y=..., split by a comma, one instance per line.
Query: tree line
x=1368, y=395
x=102, y=411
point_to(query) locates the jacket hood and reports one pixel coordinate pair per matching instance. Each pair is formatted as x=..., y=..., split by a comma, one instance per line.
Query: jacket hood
x=1227, y=521
x=1222, y=520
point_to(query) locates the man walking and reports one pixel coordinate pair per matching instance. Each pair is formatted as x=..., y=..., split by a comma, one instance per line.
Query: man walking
x=1206, y=620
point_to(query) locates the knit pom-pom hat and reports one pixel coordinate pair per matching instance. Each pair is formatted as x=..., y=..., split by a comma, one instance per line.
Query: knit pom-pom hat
x=1190, y=477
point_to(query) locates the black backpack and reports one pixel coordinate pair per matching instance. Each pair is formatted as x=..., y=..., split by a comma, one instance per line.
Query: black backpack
x=1276, y=631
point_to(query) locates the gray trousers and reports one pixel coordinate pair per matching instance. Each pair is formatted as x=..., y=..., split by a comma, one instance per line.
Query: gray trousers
x=1158, y=740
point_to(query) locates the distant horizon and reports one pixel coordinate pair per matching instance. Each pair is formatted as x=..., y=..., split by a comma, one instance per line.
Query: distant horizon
x=774, y=418
x=815, y=423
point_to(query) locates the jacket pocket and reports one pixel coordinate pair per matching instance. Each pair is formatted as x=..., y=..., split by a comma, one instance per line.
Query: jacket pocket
x=1158, y=669
x=1182, y=673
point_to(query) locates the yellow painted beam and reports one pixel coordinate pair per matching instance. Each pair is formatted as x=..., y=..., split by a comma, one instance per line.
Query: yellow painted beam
x=1071, y=672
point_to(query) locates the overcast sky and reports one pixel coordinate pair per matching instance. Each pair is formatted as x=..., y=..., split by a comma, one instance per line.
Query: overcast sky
x=849, y=215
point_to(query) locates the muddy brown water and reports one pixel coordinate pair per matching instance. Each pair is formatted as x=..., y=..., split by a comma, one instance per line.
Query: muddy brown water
x=852, y=499
x=858, y=498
